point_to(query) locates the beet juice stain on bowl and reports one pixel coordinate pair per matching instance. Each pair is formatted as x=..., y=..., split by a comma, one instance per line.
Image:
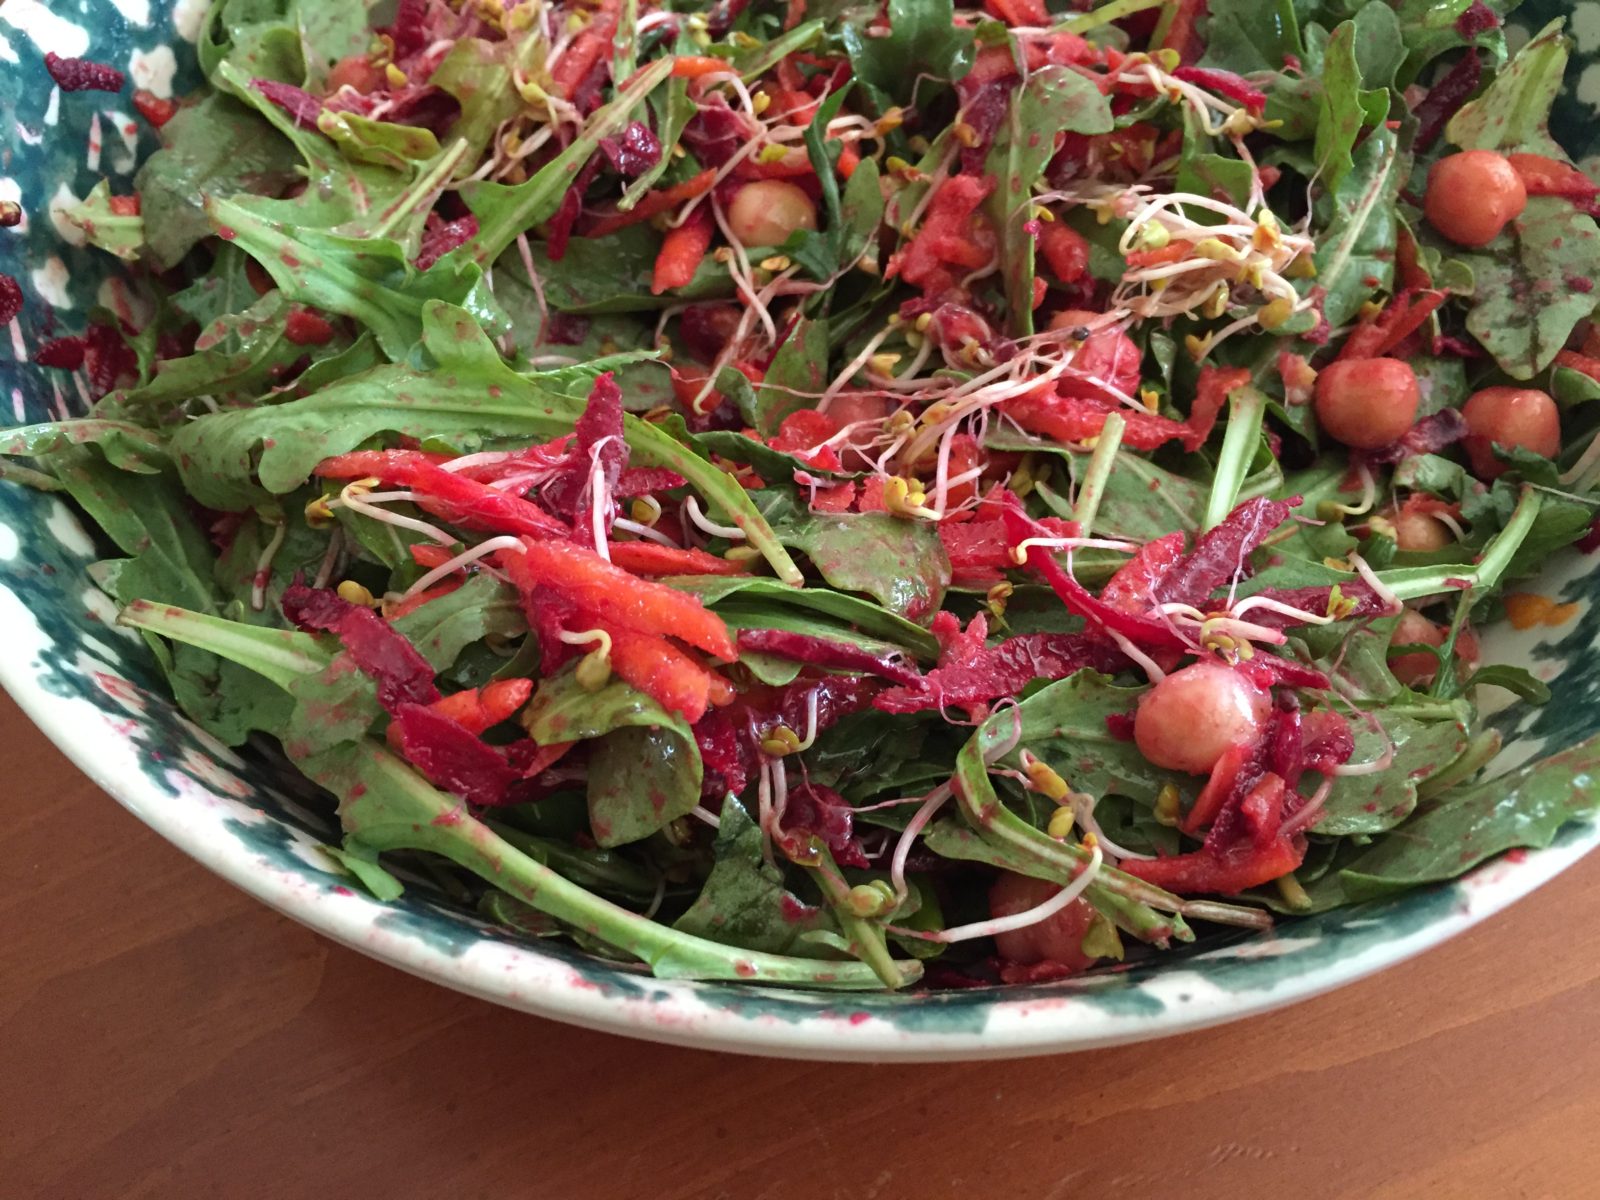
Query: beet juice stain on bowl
x=750, y=524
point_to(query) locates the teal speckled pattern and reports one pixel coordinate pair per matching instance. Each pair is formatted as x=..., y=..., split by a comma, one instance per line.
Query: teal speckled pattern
x=93, y=689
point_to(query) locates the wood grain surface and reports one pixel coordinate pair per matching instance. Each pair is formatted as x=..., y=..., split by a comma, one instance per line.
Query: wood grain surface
x=162, y=1035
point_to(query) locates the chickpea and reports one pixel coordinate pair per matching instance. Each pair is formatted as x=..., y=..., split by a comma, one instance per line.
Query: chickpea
x=356, y=71
x=1419, y=530
x=1367, y=402
x=1509, y=416
x=1191, y=717
x=1472, y=195
x=766, y=212
x=1418, y=667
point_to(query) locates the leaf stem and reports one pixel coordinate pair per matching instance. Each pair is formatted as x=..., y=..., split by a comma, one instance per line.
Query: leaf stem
x=1105, y=14
x=280, y=655
x=512, y=210
x=1415, y=583
x=1239, y=445
x=1093, y=488
x=388, y=806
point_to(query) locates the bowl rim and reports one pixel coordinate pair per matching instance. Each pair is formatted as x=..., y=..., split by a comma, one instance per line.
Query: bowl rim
x=857, y=1027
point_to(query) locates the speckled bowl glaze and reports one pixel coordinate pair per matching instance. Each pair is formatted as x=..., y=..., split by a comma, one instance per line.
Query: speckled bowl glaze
x=93, y=690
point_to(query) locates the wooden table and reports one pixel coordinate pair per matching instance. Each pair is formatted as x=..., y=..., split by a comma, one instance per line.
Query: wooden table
x=162, y=1035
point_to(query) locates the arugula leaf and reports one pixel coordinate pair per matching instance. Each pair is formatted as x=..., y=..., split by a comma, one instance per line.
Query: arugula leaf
x=150, y=519
x=798, y=372
x=367, y=278
x=1359, y=229
x=387, y=806
x=1053, y=100
x=644, y=771
x=1525, y=306
x=744, y=902
x=330, y=32
x=112, y=232
x=1249, y=36
x=380, y=143
x=478, y=73
x=481, y=607
x=125, y=445
x=1513, y=113
x=217, y=147
x=899, y=563
x=258, y=38
x=924, y=40
x=1345, y=108
x=1366, y=804
x=505, y=210
x=1456, y=831
x=850, y=611
x=1429, y=28
x=612, y=275
x=239, y=353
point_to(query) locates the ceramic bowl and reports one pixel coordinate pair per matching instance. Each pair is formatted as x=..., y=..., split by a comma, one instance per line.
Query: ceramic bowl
x=91, y=687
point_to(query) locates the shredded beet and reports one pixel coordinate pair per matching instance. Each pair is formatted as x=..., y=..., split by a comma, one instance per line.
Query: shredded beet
x=402, y=674
x=1446, y=97
x=633, y=152
x=1143, y=631
x=1222, y=554
x=825, y=653
x=1003, y=672
x=10, y=299
x=558, y=231
x=1428, y=436
x=300, y=104
x=724, y=769
x=565, y=329
x=820, y=812
x=1478, y=19
x=451, y=756
x=599, y=438
x=640, y=481
x=1270, y=669
x=716, y=133
x=409, y=30
x=1355, y=592
x=439, y=237
x=81, y=75
x=1225, y=83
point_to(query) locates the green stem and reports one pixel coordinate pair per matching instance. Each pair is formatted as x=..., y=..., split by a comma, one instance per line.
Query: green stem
x=512, y=210
x=421, y=192
x=1294, y=895
x=866, y=938
x=780, y=48
x=1468, y=763
x=1105, y=14
x=1239, y=445
x=388, y=806
x=1101, y=461
x=625, y=45
x=1415, y=583
x=280, y=655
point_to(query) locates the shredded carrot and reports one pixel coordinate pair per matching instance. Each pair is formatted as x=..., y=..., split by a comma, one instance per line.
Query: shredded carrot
x=653, y=203
x=682, y=251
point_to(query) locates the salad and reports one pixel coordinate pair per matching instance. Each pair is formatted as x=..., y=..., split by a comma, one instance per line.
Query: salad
x=852, y=494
